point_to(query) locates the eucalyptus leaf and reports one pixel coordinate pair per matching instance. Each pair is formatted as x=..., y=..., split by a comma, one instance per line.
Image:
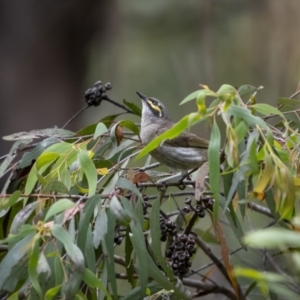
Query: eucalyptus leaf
x=89, y=170
x=35, y=134
x=58, y=207
x=214, y=166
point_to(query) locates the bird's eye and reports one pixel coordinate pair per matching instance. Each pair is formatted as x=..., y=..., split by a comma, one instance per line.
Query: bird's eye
x=154, y=102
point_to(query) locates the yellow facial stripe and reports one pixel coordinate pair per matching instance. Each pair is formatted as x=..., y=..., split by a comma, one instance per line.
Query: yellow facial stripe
x=155, y=107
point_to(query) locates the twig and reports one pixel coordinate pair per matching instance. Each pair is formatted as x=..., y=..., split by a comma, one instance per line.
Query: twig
x=76, y=197
x=212, y=263
x=75, y=115
x=166, y=184
x=276, y=267
x=217, y=262
x=117, y=104
x=263, y=210
x=295, y=94
x=208, y=287
x=191, y=223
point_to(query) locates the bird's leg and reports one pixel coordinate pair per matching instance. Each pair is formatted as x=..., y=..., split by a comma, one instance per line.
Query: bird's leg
x=186, y=174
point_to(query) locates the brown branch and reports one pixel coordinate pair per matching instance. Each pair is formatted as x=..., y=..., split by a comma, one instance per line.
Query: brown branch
x=217, y=262
x=166, y=184
x=209, y=288
x=263, y=210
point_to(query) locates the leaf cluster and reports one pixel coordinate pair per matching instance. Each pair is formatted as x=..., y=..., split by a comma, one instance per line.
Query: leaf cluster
x=72, y=199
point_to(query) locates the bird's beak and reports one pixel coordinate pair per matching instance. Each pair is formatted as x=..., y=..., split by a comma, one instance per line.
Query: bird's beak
x=142, y=96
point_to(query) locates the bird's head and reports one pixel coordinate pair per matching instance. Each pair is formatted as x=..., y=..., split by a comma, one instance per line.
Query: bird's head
x=153, y=108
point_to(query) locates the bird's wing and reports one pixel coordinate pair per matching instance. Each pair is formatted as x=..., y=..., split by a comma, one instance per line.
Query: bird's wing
x=187, y=139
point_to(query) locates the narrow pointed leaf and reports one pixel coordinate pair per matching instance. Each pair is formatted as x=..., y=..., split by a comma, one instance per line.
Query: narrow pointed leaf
x=58, y=207
x=89, y=170
x=214, y=166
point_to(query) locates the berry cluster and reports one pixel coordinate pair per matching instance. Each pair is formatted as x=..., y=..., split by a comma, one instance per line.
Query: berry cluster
x=94, y=96
x=167, y=227
x=118, y=239
x=179, y=254
x=202, y=205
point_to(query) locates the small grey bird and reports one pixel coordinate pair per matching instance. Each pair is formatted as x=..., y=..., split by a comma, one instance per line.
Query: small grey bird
x=185, y=152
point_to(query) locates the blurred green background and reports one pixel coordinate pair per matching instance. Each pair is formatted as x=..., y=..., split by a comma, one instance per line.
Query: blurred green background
x=52, y=51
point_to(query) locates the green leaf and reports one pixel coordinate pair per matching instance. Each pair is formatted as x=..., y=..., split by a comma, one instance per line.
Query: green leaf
x=273, y=238
x=257, y=275
x=246, y=115
x=124, y=183
x=14, y=255
x=89, y=170
x=108, y=250
x=36, y=134
x=138, y=242
x=173, y=132
x=33, y=264
x=103, y=280
x=70, y=288
x=118, y=211
x=129, y=125
x=266, y=109
x=246, y=89
x=56, y=186
x=155, y=238
x=46, y=159
x=12, y=239
x=85, y=218
x=58, y=207
x=190, y=97
x=51, y=293
x=293, y=103
x=226, y=89
x=128, y=258
x=100, y=228
x=214, y=166
x=100, y=129
x=8, y=202
x=29, y=157
x=152, y=289
x=161, y=279
x=22, y=216
x=93, y=282
x=11, y=155
x=89, y=251
x=133, y=107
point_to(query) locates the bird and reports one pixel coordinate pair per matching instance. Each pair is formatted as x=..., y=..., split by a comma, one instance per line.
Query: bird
x=183, y=153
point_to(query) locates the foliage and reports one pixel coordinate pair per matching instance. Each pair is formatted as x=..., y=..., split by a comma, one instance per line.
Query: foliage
x=74, y=199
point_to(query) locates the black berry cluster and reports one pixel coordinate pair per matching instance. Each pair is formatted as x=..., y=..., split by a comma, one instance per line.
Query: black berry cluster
x=179, y=254
x=167, y=227
x=202, y=205
x=118, y=239
x=94, y=96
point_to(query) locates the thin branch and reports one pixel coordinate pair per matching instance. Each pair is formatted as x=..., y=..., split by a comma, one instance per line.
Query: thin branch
x=295, y=94
x=217, y=262
x=260, y=209
x=263, y=210
x=276, y=267
x=212, y=263
x=75, y=115
x=117, y=104
x=197, y=284
x=165, y=184
x=178, y=194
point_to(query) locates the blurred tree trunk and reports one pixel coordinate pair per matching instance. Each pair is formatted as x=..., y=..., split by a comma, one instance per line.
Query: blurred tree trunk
x=43, y=51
